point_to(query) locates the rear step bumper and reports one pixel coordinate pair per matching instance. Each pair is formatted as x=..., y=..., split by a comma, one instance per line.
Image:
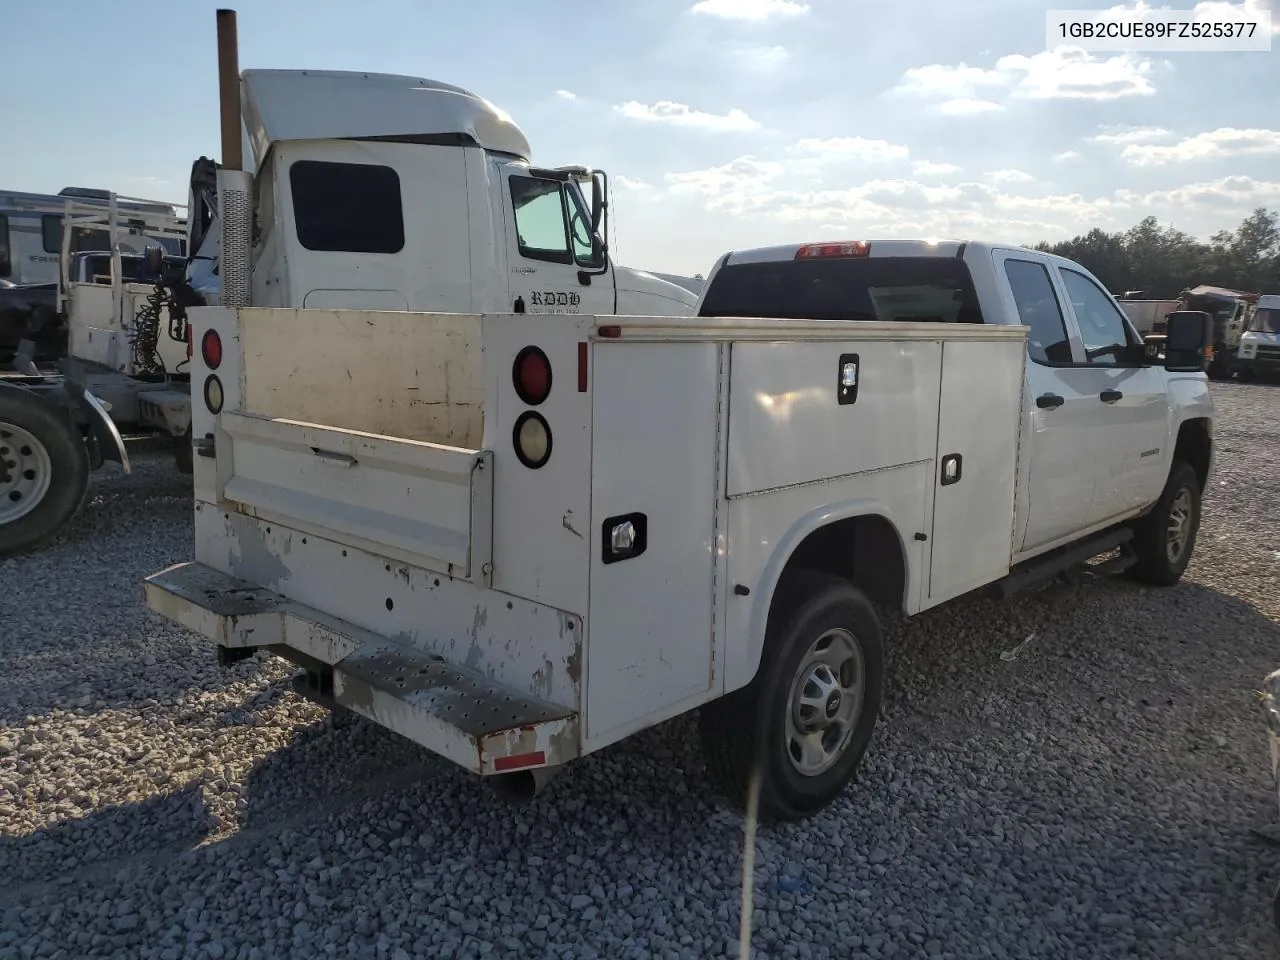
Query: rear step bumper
x=458, y=713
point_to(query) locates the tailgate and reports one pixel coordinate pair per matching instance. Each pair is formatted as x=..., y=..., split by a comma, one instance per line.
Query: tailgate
x=421, y=503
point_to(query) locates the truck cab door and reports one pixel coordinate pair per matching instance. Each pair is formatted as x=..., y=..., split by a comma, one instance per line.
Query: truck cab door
x=1130, y=405
x=550, y=249
x=1056, y=466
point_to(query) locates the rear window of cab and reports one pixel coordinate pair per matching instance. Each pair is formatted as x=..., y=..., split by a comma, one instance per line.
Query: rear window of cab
x=919, y=289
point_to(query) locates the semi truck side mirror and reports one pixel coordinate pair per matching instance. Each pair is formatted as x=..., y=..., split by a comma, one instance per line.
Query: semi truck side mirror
x=1188, y=336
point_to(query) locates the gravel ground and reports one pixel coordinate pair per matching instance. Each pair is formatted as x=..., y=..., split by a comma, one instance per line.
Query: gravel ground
x=1093, y=796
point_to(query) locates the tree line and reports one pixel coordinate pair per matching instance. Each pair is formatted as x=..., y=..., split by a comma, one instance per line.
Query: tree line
x=1162, y=262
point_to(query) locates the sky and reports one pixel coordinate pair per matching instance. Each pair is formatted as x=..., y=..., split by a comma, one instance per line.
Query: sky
x=723, y=123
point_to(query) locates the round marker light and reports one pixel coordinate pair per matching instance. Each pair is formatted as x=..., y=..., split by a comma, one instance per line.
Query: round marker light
x=532, y=439
x=213, y=393
x=211, y=349
x=531, y=376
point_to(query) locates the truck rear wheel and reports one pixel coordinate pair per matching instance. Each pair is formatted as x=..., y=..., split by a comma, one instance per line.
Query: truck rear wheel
x=44, y=470
x=804, y=722
x=1164, y=539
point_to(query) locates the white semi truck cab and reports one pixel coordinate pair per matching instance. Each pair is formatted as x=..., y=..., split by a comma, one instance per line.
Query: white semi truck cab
x=385, y=192
x=1259, y=352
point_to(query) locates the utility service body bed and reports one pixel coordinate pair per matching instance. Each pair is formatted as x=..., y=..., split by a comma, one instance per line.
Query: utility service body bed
x=516, y=539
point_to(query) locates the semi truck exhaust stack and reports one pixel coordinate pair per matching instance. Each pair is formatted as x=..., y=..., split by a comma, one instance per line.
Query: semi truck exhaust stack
x=235, y=187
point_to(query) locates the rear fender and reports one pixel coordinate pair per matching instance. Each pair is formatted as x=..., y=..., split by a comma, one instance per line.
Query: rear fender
x=767, y=582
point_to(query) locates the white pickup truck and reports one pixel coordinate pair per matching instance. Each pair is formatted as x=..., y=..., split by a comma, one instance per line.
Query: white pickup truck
x=523, y=538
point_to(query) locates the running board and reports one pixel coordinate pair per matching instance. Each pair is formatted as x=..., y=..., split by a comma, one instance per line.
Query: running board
x=1065, y=558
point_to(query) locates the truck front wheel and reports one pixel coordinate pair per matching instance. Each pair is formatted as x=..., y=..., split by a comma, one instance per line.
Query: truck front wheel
x=803, y=724
x=1164, y=539
x=44, y=469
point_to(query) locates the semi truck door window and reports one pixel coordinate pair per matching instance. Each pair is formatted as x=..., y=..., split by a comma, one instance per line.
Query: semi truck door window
x=347, y=207
x=541, y=223
x=1038, y=308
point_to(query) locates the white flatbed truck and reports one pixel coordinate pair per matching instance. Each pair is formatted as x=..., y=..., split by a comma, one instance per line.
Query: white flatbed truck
x=524, y=538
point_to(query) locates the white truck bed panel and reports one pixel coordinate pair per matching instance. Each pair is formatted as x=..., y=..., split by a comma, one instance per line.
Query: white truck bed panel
x=421, y=500
x=978, y=420
x=650, y=632
x=411, y=375
x=785, y=426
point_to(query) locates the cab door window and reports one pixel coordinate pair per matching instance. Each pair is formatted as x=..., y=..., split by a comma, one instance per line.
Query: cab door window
x=542, y=231
x=1103, y=329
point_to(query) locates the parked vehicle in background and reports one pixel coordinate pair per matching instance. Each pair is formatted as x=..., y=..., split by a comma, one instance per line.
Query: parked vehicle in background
x=31, y=230
x=1147, y=316
x=1259, y=351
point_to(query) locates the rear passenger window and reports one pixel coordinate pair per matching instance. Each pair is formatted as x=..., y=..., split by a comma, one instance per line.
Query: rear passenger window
x=6, y=268
x=347, y=207
x=1039, y=309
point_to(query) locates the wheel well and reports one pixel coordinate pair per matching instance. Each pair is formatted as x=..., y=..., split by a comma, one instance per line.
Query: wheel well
x=1195, y=447
x=864, y=550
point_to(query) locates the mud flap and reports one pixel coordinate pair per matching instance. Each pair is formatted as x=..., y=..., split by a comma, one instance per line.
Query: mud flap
x=103, y=434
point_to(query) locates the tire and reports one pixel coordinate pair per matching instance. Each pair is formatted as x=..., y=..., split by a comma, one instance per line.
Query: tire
x=756, y=727
x=1245, y=374
x=1159, y=564
x=44, y=470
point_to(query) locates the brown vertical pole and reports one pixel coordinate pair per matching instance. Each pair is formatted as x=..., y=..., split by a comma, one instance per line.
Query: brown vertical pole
x=229, y=90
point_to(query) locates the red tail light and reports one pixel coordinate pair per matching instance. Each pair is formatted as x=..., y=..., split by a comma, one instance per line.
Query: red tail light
x=531, y=376
x=211, y=349
x=854, y=248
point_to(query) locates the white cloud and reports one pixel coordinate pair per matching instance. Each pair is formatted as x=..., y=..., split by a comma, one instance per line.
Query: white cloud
x=1066, y=155
x=850, y=148
x=1206, y=10
x=752, y=187
x=731, y=186
x=632, y=183
x=681, y=115
x=751, y=10
x=968, y=106
x=927, y=168
x=1010, y=176
x=1132, y=135
x=1058, y=74
x=1249, y=9
x=1212, y=145
x=566, y=95
x=766, y=56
